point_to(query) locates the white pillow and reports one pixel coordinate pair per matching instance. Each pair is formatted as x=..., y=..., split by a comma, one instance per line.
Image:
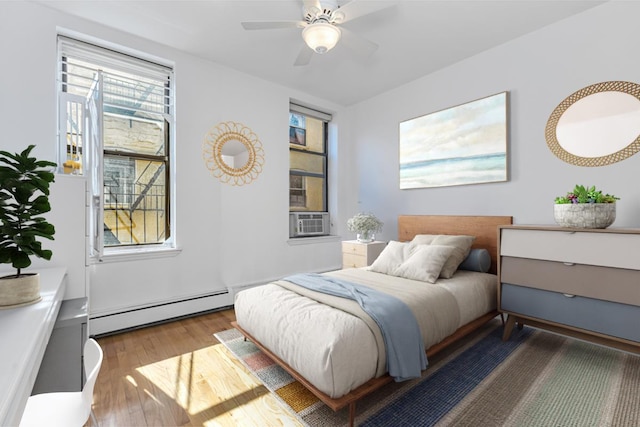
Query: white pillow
x=423, y=239
x=462, y=247
x=391, y=257
x=424, y=263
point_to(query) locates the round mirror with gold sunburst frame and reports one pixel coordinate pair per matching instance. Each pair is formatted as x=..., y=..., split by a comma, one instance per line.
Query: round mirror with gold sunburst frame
x=233, y=153
x=597, y=125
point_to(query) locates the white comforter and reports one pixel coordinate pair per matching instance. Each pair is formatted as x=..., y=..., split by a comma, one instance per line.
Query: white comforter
x=338, y=350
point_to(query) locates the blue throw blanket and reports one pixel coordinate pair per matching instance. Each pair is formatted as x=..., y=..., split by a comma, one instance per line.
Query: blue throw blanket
x=406, y=356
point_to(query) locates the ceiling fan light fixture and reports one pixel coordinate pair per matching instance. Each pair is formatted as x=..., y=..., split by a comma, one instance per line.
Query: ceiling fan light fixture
x=321, y=37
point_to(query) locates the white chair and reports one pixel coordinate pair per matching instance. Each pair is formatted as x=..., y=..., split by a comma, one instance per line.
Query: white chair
x=67, y=409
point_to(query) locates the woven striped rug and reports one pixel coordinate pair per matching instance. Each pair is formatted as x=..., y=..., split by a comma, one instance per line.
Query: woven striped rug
x=534, y=379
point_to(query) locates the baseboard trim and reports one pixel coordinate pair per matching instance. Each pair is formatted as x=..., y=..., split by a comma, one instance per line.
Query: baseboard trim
x=141, y=317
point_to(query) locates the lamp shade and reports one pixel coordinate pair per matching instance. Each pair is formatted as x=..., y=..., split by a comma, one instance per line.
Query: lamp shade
x=321, y=36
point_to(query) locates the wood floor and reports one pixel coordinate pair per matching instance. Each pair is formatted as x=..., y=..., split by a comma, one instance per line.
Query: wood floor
x=178, y=374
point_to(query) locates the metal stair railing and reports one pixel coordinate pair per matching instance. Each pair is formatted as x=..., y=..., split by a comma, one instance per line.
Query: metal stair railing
x=147, y=186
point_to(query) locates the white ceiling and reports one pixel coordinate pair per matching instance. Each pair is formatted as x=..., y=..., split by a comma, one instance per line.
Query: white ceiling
x=415, y=37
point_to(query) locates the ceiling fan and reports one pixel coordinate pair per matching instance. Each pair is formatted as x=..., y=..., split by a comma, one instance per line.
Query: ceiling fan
x=321, y=26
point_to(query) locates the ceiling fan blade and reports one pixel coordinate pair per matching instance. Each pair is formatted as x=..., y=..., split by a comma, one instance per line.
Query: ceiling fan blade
x=357, y=43
x=307, y=4
x=304, y=57
x=358, y=8
x=265, y=25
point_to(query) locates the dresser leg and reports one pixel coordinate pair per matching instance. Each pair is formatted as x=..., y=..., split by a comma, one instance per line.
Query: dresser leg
x=508, y=327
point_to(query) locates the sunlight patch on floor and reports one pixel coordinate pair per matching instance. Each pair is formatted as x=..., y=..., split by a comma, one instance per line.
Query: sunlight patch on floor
x=131, y=380
x=203, y=379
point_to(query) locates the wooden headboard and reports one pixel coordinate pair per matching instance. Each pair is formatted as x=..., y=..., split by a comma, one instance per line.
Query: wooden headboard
x=485, y=228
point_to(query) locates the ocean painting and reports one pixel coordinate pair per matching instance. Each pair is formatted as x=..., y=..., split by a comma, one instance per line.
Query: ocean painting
x=461, y=145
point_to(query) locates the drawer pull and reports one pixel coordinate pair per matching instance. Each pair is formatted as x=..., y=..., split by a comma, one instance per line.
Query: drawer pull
x=569, y=295
x=569, y=263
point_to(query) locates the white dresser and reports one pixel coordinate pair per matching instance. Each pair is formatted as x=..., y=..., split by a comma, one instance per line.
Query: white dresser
x=356, y=254
x=579, y=282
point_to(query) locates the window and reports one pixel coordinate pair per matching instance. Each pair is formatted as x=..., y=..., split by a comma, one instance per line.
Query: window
x=307, y=159
x=115, y=123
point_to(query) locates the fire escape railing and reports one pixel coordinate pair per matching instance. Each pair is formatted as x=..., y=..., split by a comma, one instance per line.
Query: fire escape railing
x=138, y=222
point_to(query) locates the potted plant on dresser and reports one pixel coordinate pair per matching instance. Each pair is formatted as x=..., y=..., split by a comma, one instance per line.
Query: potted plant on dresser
x=585, y=207
x=24, y=197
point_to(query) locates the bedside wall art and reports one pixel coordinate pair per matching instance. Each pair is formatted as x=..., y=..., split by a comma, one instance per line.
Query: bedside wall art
x=466, y=144
x=233, y=153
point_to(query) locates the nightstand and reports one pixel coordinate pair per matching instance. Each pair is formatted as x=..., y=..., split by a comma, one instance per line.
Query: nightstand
x=356, y=254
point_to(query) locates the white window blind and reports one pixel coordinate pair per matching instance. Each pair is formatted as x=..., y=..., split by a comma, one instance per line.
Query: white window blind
x=127, y=80
x=320, y=115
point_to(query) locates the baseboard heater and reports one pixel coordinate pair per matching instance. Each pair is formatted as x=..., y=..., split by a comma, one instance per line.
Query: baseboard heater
x=138, y=317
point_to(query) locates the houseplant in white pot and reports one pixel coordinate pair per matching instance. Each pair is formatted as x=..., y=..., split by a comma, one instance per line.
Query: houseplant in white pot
x=585, y=207
x=24, y=197
x=365, y=225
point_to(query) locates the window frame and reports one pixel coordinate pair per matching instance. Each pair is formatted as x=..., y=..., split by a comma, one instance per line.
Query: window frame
x=93, y=154
x=325, y=118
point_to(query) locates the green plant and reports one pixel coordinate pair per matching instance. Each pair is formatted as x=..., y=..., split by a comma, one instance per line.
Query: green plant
x=582, y=194
x=24, y=191
x=364, y=223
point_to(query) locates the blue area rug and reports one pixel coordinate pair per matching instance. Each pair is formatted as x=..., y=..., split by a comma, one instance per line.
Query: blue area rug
x=446, y=381
x=437, y=394
x=536, y=379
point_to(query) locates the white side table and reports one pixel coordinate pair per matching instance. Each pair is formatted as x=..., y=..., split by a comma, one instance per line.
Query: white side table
x=356, y=254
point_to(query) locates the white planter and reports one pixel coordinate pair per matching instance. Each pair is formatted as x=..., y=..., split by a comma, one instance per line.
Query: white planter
x=585, y=215
x=17, y=291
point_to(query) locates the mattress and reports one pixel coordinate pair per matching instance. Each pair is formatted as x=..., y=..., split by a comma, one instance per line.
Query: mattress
x=333, y=343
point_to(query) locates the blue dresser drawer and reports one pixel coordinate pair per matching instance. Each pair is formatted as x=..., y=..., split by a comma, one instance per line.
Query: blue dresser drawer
x=605, y=317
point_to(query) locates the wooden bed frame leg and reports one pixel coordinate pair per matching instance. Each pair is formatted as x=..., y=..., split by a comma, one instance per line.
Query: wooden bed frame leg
x=352, y=413
x=502, y=318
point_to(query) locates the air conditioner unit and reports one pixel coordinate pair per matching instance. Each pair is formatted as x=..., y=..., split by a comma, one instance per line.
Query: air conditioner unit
x=308, y=224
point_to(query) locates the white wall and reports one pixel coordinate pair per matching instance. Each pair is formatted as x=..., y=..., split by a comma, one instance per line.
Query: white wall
x=232, y=236
x=539, y=70
x=229, y=236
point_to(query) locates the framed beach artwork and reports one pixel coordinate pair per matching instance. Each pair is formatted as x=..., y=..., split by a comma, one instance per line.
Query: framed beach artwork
x=466, y=144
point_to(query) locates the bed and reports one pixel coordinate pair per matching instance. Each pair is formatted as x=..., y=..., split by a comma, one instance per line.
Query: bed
x=335, y=349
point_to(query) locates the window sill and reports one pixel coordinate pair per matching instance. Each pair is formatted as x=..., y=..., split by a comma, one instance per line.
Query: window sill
x=136, y=254
x=311, y=240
